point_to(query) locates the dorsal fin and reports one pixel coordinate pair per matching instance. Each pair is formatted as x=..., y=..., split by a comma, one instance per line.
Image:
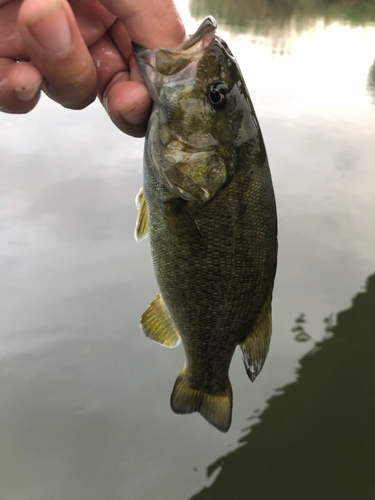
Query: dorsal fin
x=158, y=325
x=141, y=227
x=255, y=347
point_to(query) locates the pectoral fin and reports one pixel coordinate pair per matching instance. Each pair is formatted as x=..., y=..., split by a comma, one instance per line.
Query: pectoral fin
x=255, y=347
x=157, y=324
x=141, y=226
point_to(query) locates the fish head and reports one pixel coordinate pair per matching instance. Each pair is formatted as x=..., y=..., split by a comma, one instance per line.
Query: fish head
x=202, y=113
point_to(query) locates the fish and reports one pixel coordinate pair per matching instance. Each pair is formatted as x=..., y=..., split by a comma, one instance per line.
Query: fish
x=208, y=206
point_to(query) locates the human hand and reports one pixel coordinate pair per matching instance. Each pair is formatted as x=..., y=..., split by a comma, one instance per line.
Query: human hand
x=75, y=50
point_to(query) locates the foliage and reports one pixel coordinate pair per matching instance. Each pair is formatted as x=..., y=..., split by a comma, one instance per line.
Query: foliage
x=242, y=13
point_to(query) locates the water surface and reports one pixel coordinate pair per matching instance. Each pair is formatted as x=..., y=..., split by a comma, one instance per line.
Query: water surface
x=84, y=396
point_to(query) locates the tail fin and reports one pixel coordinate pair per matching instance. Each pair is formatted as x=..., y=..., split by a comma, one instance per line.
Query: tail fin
x=215, y=408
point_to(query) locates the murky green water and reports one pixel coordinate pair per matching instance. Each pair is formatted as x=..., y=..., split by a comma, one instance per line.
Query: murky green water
x=84, y=397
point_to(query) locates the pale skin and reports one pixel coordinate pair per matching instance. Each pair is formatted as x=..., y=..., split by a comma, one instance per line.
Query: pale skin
x=79, y=49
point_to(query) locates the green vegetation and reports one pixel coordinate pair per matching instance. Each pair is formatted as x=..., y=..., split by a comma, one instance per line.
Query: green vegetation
x=243, y=13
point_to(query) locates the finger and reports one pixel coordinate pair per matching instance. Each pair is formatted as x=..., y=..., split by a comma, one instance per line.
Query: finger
x=150, y=23
x=127, y=102
x=128, y=105
x=93, y=19
x=11, y=44
x=57, y=50
x=108, y=63
x=20, y=86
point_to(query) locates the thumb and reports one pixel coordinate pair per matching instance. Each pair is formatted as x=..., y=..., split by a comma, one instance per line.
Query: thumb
x=150, y=23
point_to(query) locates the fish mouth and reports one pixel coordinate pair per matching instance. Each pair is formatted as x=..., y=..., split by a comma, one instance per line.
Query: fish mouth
x=207, y=26
x=157, y=65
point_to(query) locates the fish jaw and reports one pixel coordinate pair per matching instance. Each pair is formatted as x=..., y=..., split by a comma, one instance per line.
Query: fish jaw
x=170, y=66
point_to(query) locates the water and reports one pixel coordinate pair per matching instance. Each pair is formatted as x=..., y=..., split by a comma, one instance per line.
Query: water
x=84, y=410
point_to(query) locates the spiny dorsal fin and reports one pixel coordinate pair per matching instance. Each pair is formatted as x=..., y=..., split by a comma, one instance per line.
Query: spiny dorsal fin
x=157, y=324
x=215, y=408
x=141, y=226
x=255, y=348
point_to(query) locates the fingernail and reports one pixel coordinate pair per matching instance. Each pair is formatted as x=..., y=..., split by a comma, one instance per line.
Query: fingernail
x=27, y=94
x=51, y=29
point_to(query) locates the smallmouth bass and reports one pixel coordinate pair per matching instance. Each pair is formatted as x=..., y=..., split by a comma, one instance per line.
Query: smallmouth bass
x=208, y=207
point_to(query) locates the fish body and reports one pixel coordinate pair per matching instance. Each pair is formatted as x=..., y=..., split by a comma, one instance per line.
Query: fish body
x=208, y=206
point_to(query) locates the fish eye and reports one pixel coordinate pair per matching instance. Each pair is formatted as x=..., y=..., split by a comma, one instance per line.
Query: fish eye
x=217, y=94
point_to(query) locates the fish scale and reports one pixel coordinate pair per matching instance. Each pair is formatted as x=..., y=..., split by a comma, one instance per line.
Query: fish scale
x=211, y=220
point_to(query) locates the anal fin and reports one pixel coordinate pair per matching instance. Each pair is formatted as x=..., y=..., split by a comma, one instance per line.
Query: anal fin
x=255, y=347
x=157, y=324
x=215, y=408
x=141, y=227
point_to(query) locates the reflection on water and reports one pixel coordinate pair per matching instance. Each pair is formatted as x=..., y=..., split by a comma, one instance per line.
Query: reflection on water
x=371, y=82
x=316, y=439
x=280, y=22
x=242, y=13
x=299, y=331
